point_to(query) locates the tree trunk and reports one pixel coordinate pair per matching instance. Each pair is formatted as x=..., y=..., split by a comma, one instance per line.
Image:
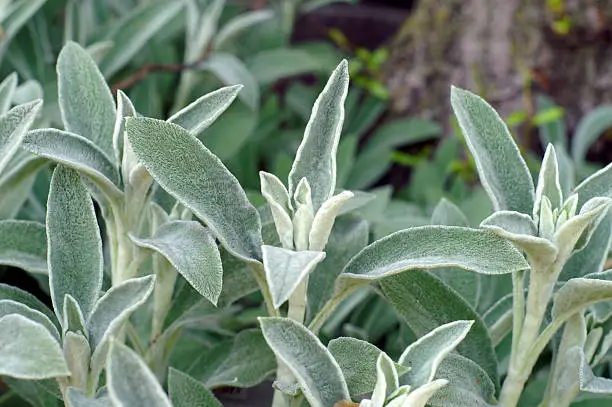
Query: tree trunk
x=503, y=50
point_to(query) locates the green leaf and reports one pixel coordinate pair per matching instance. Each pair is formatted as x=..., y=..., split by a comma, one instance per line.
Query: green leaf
x=240, y=23
x=73, y=316
x=426, y=303
x=349, y=236
x=577, y=231
x=39, y=393
x=8, y=292
x=85, y=101
x=198, y=179
x=23, y=244
x=357, y=360
x=425, y=355
x=13, y=127
x=520, y=229
x=577, y=294
x=77, y=354
x=548, y=182
x=316, y=371
x=386, y=380
x=598, y=184
x=468, y=384
x=398, y=133
x=191, y=249
x=245, y=362
x=7, y=89
x=129, y=381
x=447, y=213
x=232, y=71
x=115, y=306
x=592, y=384
x=185, y=391
x=197, y=116
x=134, y=31
x=590, y=127
x=315, y=159
x=499, y=318
x=421, y=396
x=75, y=152
x=78, y=399
x=430, y=247
x=74, y=244
x=16, y=185
x=125, y=108
x=285, y=270
x=594, y=255
x=8, y=307
x=268, y=66
x=502, y=170
x=324, y=220
x=278, y=199
x=28, y=350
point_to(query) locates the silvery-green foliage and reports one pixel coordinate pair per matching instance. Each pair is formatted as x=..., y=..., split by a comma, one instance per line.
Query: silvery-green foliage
x=285, y=270
x=129, y=381
x=425, y=302
x=507, y=180
x=23, y=244
x=192, y=251
x=14, y=125
x=185, y=391
x=315, y=369
x=28, y=350
x=71, y=224
x=425, y=355
x=553, y=232
x=316, y=156
x=85, y=100
x=198, y=179
x=357, y=359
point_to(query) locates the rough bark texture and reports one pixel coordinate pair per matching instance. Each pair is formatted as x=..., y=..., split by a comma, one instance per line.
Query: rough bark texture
x=503, y=50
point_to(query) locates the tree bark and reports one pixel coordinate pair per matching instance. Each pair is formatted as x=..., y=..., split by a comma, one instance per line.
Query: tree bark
x=503, y=50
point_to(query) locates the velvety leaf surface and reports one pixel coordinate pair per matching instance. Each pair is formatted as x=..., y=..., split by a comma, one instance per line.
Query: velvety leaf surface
x=502, y=170
x=115, y=306
x=8, y=292
x=185, y=391
x=23, y=244
x=315, y=369
x=13, y=127
x=129, y=381
x=316, y=157
x=74, y=244
x=285, y=269
x=78, y=399
x=598, y=184
x=357, y=360
x=579, y=293
x=198, y=179
x=200, y=114
x=192, y=251
x=8, y=307
x=548, y=181
x=426, y=303
x=447, y=213
x=349, y=235
x=429, y=247
x=28, y=350
x=468, y=384
x=85, y=100
x=425, y=355
x=76, y=152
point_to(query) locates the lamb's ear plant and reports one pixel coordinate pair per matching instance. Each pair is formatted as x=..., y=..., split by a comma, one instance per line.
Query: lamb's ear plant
x=109, y=154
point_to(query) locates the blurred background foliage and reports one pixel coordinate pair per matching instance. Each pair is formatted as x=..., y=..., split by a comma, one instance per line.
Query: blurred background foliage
x=165, y=54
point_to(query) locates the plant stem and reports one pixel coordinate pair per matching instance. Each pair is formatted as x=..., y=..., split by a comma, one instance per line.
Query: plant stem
x=257, y=269
x=518, y=307
x=298, y=302
x=523, y=359
x=330, y=306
